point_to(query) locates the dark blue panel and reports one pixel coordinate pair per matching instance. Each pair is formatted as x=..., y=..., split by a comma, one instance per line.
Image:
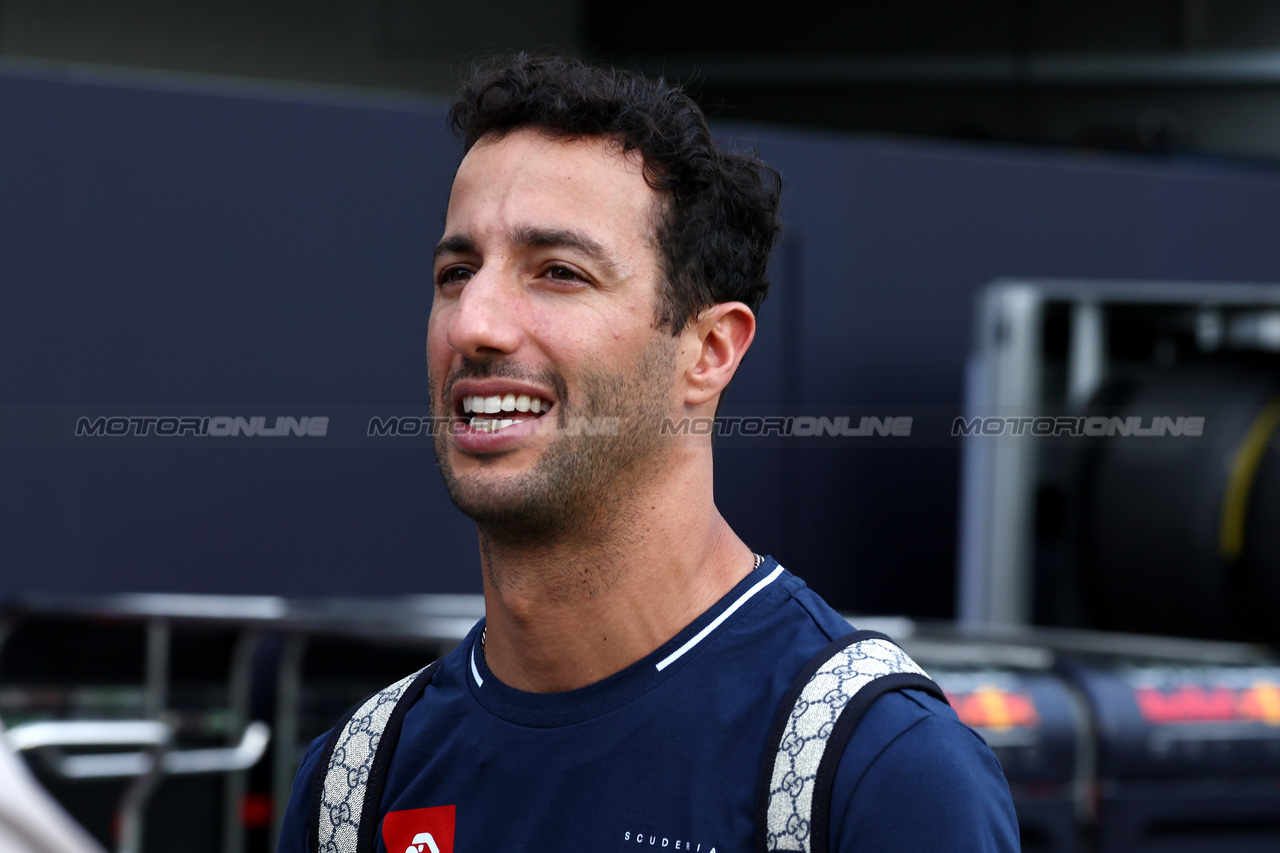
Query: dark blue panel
x=1211, y=226
x=215, y=249
x=233, y=521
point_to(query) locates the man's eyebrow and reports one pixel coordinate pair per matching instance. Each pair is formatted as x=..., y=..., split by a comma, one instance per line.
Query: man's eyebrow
x=455, y=244
x=531, y=237
x=539, y=238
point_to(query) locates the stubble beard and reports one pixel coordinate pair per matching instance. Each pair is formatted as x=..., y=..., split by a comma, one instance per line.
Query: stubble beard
x=581, y=485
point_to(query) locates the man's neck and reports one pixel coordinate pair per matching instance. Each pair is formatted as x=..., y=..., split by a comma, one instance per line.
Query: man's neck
x=564, y=614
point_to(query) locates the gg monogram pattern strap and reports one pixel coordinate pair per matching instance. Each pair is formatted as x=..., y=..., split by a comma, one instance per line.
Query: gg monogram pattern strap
x=346, y=778
x=794, y=794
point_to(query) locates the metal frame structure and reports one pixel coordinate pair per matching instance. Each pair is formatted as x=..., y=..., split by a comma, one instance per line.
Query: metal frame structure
x=1005, y=377
x=435, y=623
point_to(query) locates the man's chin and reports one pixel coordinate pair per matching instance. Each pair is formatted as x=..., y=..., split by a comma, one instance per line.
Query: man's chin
x=484, y=505
x=487, y=497
x=516, y=522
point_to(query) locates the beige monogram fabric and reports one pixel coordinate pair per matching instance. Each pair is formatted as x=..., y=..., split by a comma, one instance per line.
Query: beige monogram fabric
x=812, y=719
x=348, y=773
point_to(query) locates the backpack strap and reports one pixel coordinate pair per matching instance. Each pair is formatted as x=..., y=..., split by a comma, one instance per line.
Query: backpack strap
x=346, y=790
x=812, y=727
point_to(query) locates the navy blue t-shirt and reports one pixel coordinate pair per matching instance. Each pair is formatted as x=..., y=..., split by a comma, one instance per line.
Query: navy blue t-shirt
x=667, y=753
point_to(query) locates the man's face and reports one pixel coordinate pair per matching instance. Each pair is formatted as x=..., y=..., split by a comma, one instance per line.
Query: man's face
x=543, y=326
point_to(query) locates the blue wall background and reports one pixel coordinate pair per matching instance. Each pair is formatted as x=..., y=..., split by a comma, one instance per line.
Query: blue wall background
x=261, y=251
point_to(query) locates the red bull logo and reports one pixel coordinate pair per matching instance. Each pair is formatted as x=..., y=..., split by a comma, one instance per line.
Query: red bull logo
x=993, y=708
x=1198, y=703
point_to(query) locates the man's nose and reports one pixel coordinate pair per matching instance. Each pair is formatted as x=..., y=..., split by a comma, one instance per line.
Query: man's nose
x=485, y=321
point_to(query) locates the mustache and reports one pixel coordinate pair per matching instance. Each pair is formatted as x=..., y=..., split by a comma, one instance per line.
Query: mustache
x=501, y=369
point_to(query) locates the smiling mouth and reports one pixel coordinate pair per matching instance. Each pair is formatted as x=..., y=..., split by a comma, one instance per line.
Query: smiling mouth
x=490, y=414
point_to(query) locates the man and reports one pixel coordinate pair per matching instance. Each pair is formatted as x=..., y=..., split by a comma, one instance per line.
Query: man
x=599, y=272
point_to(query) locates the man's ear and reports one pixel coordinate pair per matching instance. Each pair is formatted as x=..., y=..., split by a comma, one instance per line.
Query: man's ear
x=718, y=339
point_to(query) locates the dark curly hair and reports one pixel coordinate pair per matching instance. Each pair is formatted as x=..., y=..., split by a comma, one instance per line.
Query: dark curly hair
x=721, y=219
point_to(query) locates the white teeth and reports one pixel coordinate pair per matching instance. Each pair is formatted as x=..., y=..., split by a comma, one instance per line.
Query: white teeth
x=508, y=403
x=491, y=424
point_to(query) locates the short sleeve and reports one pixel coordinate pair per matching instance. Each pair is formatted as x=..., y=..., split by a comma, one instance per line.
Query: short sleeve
x=914, y=778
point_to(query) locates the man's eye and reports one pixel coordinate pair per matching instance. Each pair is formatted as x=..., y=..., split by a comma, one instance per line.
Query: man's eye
x=563, y=274
x=453, y=275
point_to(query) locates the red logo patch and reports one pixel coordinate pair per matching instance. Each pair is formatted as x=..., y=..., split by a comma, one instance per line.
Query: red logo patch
x=419, y=830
